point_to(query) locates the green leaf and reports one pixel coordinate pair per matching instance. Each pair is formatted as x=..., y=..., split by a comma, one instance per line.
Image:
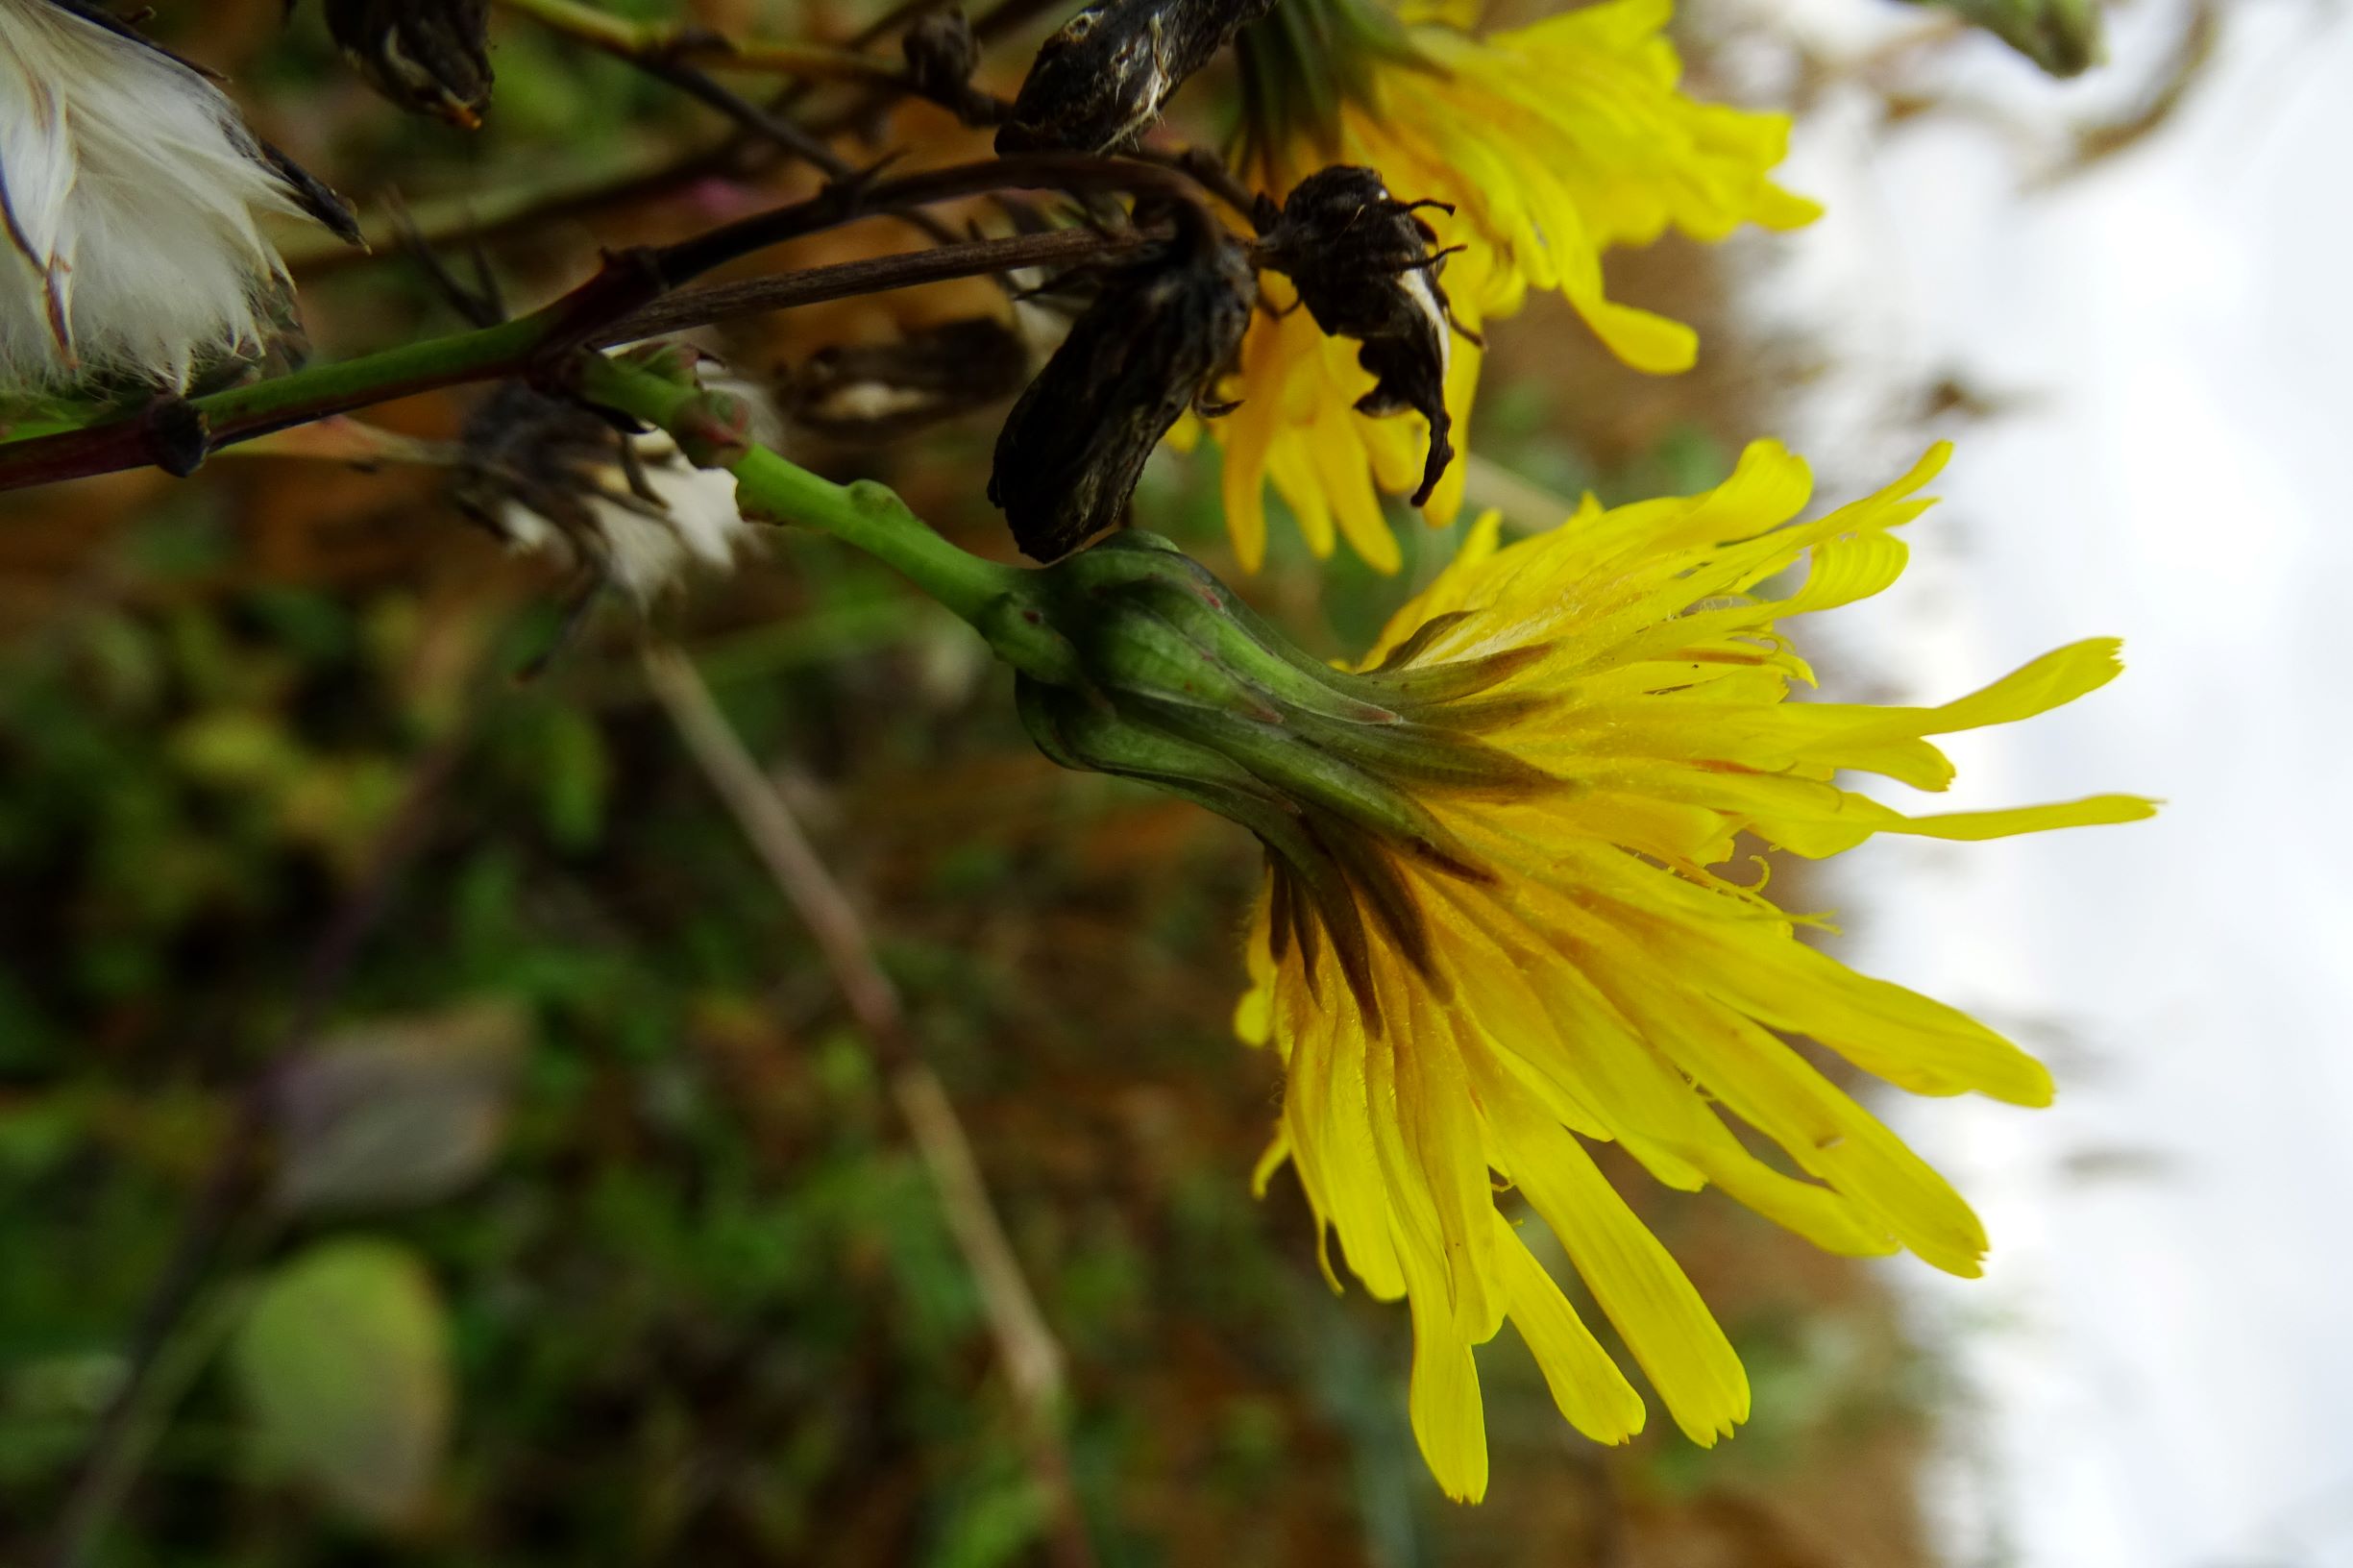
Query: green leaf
x=234, y=748
x=577, y=778
x=399, y=1111
x=344, y=1360
x=995, y=1523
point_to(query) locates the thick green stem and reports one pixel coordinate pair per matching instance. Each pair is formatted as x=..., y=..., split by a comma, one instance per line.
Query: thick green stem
x=377, y=377
x=872, y=517
x=177, y=436
x=867, y=515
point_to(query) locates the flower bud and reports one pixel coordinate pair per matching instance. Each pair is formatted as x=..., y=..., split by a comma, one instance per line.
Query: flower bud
x=1163, y=326
x=715, y=429
x=2063, y=37
x=1135, y=661
x=1098, y=84
x=1364, y=268
x=429, y=56
x=673, y=360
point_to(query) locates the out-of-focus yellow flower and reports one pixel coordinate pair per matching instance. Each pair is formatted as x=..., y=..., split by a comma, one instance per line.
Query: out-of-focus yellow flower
x=1554, y=143
x=1554, y=958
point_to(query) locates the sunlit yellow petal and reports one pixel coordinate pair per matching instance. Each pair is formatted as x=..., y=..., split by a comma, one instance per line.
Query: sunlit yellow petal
x=1545, y=949
x=1593, y=1395
x=1553, y=143
x=1646, y=1296
x=1449, y=1421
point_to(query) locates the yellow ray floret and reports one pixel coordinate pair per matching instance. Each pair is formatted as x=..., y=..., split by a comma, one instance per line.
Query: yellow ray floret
x=1571, y=969
x=1554, y=143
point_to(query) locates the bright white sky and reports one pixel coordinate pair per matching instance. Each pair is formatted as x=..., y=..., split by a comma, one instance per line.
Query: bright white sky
x=2163, y=1349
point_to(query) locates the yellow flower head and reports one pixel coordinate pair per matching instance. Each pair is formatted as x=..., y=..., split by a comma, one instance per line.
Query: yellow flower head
x=1553, y=143
x=1548, y=958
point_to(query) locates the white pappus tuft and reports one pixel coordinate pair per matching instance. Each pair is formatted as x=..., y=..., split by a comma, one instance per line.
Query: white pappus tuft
x=642, y=544
x=130, y=190
x=551, y=478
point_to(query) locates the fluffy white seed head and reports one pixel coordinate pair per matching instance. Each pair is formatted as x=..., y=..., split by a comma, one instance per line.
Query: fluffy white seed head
x=130, y=189
x=643, y=547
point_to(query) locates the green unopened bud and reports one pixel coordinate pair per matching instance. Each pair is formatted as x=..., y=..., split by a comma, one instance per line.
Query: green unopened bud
x=2063, y=37
x=1160, y=673
x=672, y=360
x=714, y=429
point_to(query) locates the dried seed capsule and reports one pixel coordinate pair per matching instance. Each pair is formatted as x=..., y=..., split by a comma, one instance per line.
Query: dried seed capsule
x=1099, y=83
x=1364, y=268
x=942, y=53
x=1160, y=330
x=425, y=55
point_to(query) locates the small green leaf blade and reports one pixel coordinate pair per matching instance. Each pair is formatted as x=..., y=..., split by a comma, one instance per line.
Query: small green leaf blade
x=344, y=1363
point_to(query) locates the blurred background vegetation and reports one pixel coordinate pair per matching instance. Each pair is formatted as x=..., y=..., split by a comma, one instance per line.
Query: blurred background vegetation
x=584, y=1227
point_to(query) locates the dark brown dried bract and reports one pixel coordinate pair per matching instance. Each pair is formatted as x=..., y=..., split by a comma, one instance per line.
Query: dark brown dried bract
x=942, y=54
x=1364, y=268
x=522, y=445
x=313, y=195
x=1149, y=346
x=870, y=392
x=1098, y=84
x=429, y=56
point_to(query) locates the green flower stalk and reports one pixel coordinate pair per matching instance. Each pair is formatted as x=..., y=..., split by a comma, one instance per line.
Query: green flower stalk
x=1133, y=659
x=770, y=490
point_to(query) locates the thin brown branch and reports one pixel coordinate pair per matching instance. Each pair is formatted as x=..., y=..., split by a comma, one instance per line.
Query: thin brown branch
x=712, y=303
x=1026, y=1346
x=177, y=435
x=688, y=43
x=480, y=217
x=1078, y=173
x=736, y=155
x=684, y=56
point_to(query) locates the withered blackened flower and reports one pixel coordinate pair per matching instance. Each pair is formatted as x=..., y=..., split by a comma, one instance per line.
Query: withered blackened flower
x=552, y=478
x=1163, y=327
x=882, y=391
x=1364, y=268
x=426, y=55
x=1099, y=83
